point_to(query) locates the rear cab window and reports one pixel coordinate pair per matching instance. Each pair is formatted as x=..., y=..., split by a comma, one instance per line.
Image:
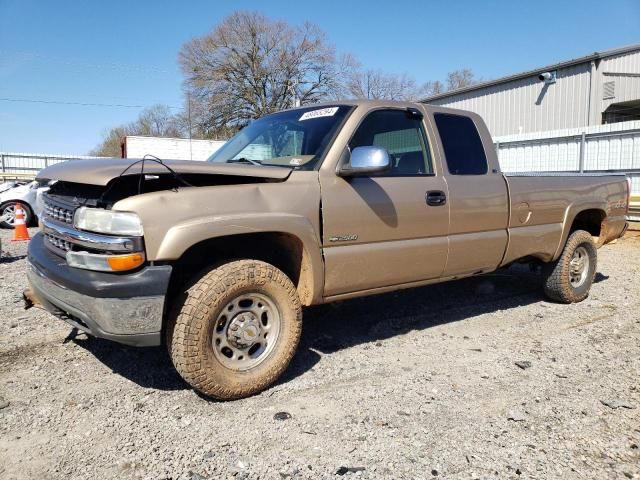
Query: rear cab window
x=462, y=144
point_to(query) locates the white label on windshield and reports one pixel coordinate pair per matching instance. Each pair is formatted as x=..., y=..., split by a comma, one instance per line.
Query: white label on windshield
x=323, y=112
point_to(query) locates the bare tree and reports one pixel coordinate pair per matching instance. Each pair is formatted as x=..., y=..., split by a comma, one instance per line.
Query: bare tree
x=110, y=145
x=432, y=87
x=375, y=84
x=250, y=65
x=460, y=79
x=155, y=121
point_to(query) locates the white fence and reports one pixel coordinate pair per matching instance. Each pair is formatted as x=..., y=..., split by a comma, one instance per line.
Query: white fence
x=602, y=148
x=26, y=165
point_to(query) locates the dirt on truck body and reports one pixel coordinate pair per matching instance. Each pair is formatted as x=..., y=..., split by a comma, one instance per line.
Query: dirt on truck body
x=302, y=207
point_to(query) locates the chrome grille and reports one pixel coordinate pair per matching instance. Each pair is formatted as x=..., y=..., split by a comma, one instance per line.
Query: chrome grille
x=58, y=213
x=58, y=242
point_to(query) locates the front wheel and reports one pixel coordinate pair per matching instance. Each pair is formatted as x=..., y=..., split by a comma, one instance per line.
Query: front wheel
x=236, y=330
x=569, y=279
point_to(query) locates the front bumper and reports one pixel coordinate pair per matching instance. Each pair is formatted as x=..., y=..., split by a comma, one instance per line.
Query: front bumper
x=126, y=308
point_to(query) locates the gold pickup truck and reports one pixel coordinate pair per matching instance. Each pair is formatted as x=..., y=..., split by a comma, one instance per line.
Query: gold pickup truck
x=301, y=207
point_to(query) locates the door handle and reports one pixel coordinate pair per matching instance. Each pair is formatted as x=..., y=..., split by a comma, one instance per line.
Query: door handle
x=436, y=198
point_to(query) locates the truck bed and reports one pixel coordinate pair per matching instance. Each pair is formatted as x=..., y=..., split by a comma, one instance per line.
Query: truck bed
x=540, y=204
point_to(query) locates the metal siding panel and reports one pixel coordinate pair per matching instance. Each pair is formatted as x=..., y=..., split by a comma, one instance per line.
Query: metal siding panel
x=626, y=88
x=629, y=63
x=511, y=107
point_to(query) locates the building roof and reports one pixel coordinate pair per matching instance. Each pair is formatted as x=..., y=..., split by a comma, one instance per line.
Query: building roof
x=518, y=76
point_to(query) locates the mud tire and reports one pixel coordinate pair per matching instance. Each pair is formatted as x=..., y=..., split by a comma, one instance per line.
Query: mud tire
x=190, y=329
x=557, y=274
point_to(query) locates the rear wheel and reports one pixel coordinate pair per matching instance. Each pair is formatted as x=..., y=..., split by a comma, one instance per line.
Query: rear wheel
x=569, y=279
x=236, y=330
x=8, y=213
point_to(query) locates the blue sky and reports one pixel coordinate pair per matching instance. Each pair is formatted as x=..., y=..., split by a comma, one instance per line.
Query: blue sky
x=124, y=52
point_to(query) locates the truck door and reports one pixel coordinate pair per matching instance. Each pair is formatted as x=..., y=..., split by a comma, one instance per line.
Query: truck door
x=386, y=229
x=477, y=194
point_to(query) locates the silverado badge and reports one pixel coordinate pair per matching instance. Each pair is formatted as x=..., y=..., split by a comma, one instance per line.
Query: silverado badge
x=343, y=238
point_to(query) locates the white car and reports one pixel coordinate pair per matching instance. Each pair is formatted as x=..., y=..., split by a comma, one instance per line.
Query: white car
x=13, y=192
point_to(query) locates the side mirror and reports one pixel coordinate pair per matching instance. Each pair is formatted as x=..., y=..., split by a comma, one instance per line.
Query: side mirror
x=365, y=161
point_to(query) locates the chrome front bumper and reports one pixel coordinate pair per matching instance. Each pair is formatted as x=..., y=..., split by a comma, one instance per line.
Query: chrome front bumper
x=117, y=308
x=94, y=241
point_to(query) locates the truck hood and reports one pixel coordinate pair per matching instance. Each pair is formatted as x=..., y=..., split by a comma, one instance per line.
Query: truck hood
x=101, y=171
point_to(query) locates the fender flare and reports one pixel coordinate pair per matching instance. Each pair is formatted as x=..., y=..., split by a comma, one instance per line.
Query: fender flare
x=570, y=214
x=183, y=236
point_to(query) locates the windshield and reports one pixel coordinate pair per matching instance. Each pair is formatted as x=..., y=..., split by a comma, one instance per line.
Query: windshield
x=294, y=138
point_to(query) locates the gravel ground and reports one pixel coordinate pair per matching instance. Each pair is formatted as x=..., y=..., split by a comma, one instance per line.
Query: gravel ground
x=480, y=378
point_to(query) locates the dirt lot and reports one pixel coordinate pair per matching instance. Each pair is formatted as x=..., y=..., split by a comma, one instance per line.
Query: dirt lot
x=417, y=384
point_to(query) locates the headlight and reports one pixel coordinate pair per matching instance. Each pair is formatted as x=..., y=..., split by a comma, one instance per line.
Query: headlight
x=105, y=263
x=108, y=221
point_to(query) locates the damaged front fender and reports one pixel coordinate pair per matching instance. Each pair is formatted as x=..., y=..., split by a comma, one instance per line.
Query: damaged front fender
x=174, y=221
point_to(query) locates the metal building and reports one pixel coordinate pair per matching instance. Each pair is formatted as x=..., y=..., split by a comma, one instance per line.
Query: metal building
x=603, y=87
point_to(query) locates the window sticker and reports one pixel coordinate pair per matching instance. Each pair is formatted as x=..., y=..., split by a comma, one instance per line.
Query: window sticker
x=323, y=112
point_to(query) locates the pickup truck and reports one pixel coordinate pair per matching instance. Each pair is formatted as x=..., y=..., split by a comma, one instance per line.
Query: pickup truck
x=304, y=206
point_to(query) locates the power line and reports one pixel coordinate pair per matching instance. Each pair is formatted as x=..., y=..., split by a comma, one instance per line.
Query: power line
x=81, y=63
x=82, y=104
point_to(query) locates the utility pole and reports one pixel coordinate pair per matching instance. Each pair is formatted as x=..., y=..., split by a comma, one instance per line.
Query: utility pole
x=296, y=99
x=293, y=91
x=189, y=115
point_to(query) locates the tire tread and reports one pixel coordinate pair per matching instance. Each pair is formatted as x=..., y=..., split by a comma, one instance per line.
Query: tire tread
x=188, y=324
x=557, y=285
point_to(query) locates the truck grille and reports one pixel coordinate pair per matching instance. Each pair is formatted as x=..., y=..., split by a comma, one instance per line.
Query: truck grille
x=58, y=243
x=58, y=213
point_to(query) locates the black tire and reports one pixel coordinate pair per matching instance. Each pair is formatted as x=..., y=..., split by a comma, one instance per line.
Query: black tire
x=201, y=318
x=10, y=205
x=558, y=283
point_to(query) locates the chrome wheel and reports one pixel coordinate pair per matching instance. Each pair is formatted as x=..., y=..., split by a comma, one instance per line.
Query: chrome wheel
x=9, y=214
x=579, y=267
x=246, y=331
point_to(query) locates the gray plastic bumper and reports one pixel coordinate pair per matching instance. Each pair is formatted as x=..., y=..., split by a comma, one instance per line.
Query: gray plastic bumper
x=100, y=307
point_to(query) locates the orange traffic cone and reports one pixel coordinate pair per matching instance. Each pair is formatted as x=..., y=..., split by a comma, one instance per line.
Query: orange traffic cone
x=20, y=231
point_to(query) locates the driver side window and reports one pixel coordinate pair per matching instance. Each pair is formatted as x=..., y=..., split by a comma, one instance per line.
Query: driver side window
x=401, y=136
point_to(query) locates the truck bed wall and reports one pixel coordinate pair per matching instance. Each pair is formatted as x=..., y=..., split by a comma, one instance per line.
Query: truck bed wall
x=542, y=209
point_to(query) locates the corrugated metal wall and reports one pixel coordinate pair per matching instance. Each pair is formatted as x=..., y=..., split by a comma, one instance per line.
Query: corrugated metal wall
x=624, y=72
x=528, y=105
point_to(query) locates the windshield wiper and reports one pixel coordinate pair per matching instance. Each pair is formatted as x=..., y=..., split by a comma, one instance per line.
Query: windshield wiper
x=244, y=160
